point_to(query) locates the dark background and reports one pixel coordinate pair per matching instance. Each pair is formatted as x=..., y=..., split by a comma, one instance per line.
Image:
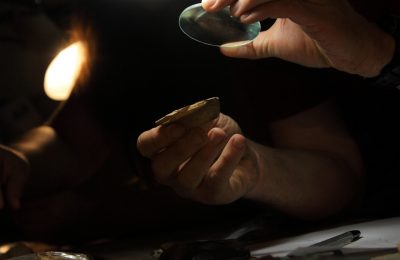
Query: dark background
x=143, y=66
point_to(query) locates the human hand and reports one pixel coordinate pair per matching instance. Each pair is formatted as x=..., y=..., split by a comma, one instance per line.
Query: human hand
x=212, y=165
x=13, y=176
x=313, y=33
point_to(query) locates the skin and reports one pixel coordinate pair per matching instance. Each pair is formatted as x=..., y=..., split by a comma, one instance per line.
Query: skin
x=14, y=172
x=46, y=172
x=26, y=170
x=312, y=158
x=313, y=33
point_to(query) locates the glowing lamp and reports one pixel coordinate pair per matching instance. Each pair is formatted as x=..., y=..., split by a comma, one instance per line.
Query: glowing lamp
x=64, y=70
x=4, y=248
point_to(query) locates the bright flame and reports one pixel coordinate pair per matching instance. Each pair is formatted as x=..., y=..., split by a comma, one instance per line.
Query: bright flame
x=4, y=248
x=64, y=70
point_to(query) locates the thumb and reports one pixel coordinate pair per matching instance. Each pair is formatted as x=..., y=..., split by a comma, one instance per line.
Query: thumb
x=256, y=49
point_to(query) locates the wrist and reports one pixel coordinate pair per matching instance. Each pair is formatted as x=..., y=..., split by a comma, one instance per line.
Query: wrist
x=260, y=186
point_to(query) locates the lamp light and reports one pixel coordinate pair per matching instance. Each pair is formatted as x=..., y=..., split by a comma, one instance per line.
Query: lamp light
x=64, y=70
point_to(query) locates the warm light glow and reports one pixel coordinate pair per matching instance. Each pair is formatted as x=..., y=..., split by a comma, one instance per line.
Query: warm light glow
x=4, y=248
x=64, y=70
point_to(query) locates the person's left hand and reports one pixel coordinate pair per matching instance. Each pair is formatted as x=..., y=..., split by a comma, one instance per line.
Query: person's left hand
x=212, y=165
x=317, y=33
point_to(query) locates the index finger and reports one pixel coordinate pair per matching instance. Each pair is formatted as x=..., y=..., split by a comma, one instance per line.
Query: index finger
x=216, y=5
x=152, y=141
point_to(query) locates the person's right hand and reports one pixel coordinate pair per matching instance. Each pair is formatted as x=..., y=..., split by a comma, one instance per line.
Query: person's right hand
x=13, y=175
x=313, y=33
x=212, y=165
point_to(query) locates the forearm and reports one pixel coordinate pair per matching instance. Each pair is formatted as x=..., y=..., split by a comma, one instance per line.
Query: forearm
x=305, y=183
x=62, y=156
x=51, y=160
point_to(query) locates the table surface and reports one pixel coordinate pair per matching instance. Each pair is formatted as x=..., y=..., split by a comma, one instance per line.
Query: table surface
x=268, y=236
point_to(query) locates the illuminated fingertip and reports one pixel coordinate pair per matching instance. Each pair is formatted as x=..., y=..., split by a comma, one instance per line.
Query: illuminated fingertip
x=208, y=3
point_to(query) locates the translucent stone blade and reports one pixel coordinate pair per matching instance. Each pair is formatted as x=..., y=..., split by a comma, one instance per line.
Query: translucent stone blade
x=216, y=29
